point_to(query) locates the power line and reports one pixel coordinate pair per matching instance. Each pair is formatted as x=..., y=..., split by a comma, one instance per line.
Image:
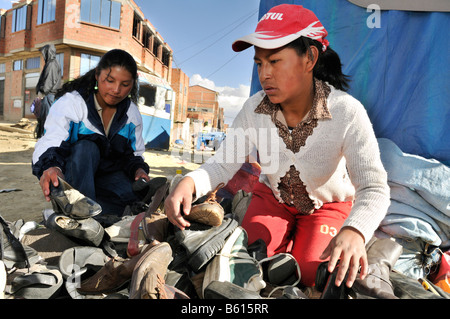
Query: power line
x=220, y=38
x=246, y=17
x=223, y=65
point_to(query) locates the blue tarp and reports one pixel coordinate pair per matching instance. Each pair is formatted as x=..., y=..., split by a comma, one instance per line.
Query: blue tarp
x=156, y=132
x=399, y=71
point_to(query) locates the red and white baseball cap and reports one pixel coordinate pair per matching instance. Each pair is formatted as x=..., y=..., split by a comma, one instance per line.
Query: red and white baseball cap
x=281, y=25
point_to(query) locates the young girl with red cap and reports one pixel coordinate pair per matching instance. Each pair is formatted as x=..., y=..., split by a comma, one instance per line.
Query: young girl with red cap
x=323, y=189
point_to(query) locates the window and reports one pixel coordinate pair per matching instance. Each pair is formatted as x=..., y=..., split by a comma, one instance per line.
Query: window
x=19, y=20
x=46, y=11
x=60, y=59
x=156, y=45
x=166, y=58
x=88, y=62
x=2, y=26
x=136, y=26
x=147, y=39
x=102, y=12
x=147, y=94
x=17, y=65
x=2, y=67
x=33, y=63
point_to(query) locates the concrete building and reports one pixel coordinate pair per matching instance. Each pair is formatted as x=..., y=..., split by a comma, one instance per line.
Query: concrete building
x=82, y=31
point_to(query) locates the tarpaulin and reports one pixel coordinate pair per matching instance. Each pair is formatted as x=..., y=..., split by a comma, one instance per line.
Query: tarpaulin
x=399, y=65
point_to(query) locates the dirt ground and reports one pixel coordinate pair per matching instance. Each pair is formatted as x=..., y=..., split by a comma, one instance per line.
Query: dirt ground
x=20, y=194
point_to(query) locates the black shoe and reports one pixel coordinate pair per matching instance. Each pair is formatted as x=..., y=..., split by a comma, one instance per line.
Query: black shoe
x=325, y=283
x=203, y=242
x=12, y=252
x=145, y=190
x=281, y=270
x=70, y=202
x=88, y=230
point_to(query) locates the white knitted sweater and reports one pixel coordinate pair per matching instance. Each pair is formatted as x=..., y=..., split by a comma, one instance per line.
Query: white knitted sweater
x=339, y=162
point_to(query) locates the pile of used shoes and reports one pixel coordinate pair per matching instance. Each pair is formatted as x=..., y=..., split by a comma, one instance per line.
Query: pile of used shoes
x=75, y=253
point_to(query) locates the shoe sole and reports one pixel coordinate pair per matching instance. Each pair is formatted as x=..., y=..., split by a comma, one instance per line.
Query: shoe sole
x=207, y=250
x=205, y=213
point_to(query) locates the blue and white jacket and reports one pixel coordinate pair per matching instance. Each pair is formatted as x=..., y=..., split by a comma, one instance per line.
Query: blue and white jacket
x=72, y=118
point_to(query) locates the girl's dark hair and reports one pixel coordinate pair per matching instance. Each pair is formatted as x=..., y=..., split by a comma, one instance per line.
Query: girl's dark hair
x=328, y=67
x=86, y=83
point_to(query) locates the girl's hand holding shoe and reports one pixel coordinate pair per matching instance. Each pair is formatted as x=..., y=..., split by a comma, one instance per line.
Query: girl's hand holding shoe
x=348, y=247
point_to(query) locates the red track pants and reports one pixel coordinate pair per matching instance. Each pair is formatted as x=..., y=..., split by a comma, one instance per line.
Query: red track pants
x=283, y=229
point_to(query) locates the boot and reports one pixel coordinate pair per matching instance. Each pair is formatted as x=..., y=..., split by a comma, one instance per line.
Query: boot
x=382, y=254
x=114, y=275
x=151, y=265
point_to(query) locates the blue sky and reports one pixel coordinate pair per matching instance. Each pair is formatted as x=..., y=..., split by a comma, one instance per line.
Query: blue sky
x=200, y=32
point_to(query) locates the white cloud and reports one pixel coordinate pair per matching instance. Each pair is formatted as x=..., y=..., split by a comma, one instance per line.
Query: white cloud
x=230, y=99
x=197, y=79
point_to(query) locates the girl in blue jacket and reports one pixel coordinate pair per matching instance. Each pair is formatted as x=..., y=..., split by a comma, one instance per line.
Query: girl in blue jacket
x=93, y=135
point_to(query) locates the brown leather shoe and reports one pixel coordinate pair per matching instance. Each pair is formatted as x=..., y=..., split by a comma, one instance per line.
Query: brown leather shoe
x=114, y=275
x=210, y=212
x=152, y=286
x=152, y=263
x=159, y=290
x=155, y=226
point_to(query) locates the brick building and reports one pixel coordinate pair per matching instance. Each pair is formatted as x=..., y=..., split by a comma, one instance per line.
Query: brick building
x=203, y=107
x=196, y=109
x=181, y=122
x=82, y=31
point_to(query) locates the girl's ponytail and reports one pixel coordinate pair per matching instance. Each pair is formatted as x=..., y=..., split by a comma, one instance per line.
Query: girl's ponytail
x=328, y=67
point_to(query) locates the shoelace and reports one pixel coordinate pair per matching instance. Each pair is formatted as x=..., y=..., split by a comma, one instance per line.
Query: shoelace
x=212, y=196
